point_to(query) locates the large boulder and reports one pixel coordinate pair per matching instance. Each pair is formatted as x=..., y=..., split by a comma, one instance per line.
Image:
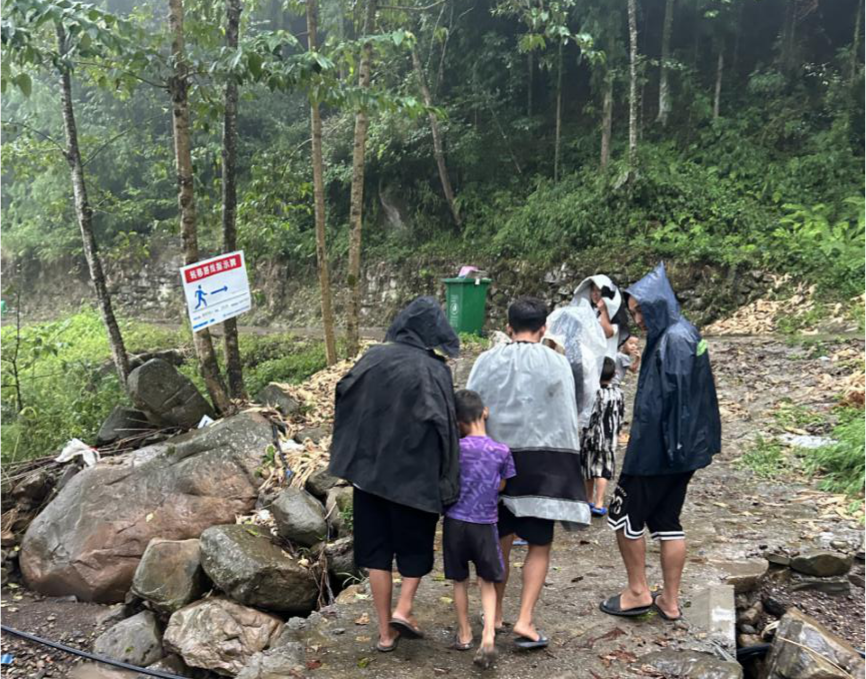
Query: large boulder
x=169, y=575
x=822, y=564
x=220, y=635
x=320, y=482
x=89, y=539
x=277, y=396
x=169, y=398
x=244, y=563
x=804, y=649
x=288, y=660
x=339, y=508
x=300, y=517
x=135, y=640
x=341, y=560
x=120, y=424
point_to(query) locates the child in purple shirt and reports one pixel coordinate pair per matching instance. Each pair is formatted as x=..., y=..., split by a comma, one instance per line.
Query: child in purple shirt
x=470, y=532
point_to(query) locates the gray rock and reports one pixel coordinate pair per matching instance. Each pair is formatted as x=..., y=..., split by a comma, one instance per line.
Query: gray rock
x=135, y=640
x=244, y=563
x=315, y=434
x=778, y=559
x=169, y=575
x=300, y=517
x=692, y=665
x=33, y=489
x=174, y=664
x=169, y=398
x=746, y=629
x=120, y=424
x=856, y=580
x=287, y=660
x=320, y=482
x=90, y=537
x=775, y=605
x=745, y=640
x=822, y=564
x=338, y=507
x=713, y=612
x=744, y=575
x=277, y=396
x=341, y=560
x=173, y=356
x=219, y=635
x=824, y=655
x=752, y=614
x=839, y=585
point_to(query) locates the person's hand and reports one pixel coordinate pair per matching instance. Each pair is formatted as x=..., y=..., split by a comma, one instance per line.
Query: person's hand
x=601, y=306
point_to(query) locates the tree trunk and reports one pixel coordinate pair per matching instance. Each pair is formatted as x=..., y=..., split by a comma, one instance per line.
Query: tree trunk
x=789, y=30
x=357, y=194
x=177, y=87
x=719, y=70
x=319, y=200
x=444, y=178
x=664, y=88
x=531, y=65
x=558, y=140
x=606, y=120
x=84, y=213
x=234, y=370
x=855, y=46
x=632, y=89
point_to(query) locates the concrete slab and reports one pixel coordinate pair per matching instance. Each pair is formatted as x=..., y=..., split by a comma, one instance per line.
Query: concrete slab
x=713, y=613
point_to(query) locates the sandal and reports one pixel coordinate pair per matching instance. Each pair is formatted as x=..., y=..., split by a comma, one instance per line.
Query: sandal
x=406, y=629
x=661, y=613
x=527, y=644
x=458, y=645
x=387, y=649
x=613, y=606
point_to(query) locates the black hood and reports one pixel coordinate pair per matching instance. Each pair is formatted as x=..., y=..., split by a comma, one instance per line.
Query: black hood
x=422, y=324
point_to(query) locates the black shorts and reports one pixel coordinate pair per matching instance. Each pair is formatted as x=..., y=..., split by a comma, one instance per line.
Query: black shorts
x=652, y=501
x=463, y=542
x=385, y=529
x=532, y=529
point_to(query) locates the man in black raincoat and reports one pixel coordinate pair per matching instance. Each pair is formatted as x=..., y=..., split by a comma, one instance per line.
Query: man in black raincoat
x=396, y=440
x=676, y=429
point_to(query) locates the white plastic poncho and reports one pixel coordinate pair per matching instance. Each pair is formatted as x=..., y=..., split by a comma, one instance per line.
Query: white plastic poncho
x=576, y=329
x=583, y=292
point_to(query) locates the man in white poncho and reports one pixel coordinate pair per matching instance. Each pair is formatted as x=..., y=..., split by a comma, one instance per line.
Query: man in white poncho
x=529, y=390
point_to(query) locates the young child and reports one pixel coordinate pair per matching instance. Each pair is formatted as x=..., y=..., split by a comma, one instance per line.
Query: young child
x=599, y=443
x=627, y=360
x=470, y=531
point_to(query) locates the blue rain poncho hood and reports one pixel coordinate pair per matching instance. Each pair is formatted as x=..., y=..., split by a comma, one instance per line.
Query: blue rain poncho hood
x=676, y=425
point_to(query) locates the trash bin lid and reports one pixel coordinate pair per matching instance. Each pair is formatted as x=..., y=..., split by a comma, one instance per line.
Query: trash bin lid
x=471, y=281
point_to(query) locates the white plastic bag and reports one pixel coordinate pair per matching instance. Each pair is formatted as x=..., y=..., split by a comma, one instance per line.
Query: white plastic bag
x=77, y=448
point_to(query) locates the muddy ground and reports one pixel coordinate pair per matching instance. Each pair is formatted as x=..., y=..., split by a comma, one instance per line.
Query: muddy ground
x=730, y=516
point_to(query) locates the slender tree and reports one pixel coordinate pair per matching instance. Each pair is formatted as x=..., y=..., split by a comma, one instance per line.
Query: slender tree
x=84, y=213
x=606, y=118
x=558, y=133
x=234, y=370
x=356, y=209
x=438, y=151
x=720, y=68
x=632, y=85
x=855, y=42
x=664, y=70
x=319, y=199
x=178, y=89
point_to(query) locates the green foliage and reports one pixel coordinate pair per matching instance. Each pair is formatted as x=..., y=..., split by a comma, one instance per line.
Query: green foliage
x=279, y=359
x=767, y=458
x=840, y=466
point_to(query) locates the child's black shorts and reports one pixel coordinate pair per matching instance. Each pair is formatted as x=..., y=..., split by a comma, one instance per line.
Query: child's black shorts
x=384, y=529
x=652, y=501
x=534, y=530
x=463, y=542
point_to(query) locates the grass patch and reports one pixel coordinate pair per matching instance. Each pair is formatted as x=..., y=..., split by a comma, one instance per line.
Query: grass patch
x=790, y=415
x=767, y=458
x=841, y=465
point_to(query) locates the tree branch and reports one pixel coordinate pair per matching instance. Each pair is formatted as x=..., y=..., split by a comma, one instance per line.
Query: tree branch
x=115, y=138
x=413, y=9
x=46, y=137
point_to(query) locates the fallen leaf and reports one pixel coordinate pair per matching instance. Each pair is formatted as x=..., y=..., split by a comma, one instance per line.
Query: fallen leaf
x=314, y=664
x=148, y=518
x=364, y=662
x=363, y=619
x=446, y=599
x=363, y=640
x=518, y=564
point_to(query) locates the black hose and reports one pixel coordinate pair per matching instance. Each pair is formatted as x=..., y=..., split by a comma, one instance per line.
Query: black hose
x=90, y=656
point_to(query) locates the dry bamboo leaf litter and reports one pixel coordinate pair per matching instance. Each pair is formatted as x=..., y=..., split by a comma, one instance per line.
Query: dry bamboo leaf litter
x=761, y=316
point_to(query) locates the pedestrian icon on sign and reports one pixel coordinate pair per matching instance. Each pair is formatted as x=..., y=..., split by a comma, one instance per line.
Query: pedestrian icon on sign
x=200, y=298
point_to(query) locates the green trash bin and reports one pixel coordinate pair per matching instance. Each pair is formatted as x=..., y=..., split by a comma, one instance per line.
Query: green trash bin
x=465, y=300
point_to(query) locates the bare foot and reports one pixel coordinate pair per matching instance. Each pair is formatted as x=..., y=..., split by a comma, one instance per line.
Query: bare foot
x=670, y=609
x=389, y=639
x=527, y=631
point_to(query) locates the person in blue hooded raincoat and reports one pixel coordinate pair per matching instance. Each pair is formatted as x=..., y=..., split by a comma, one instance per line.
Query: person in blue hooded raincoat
x=676, y=430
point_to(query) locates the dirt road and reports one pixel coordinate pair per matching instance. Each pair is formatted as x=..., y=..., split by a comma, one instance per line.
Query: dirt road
x=730, y=516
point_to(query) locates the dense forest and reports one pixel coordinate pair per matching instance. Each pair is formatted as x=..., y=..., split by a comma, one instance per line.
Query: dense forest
x=331, y=134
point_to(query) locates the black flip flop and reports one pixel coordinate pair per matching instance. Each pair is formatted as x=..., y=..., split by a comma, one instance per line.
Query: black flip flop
x=388, y=649
x=661, y=613
x=406, y=629
x=613, y=606
x=527, y=644
x=458, y=645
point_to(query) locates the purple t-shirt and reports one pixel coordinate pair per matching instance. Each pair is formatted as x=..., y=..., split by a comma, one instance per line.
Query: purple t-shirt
x=483, y=464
